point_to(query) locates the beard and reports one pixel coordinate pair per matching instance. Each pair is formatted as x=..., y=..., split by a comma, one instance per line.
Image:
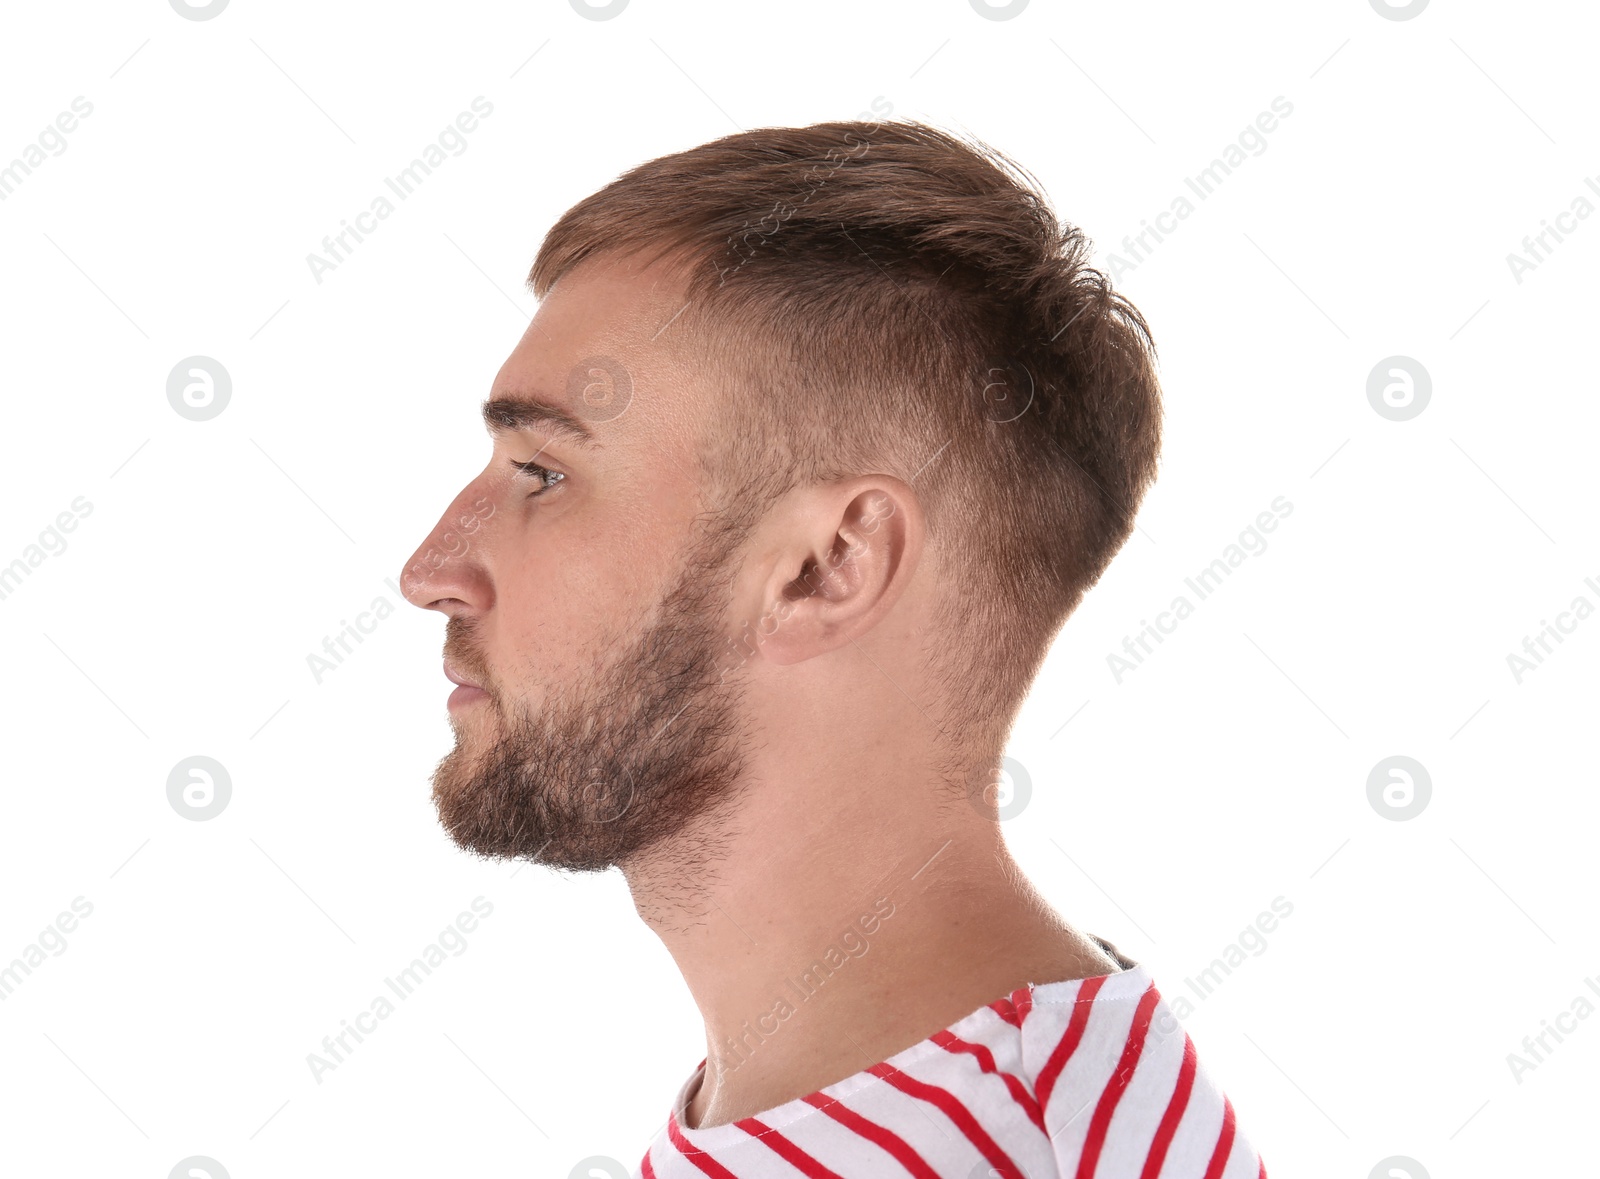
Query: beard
x=613, y=766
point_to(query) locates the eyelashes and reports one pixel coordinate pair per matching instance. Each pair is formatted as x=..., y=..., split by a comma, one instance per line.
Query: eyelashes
x=543, y=476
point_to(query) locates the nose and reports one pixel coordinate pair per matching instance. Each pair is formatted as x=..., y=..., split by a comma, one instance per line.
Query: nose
x=448, y=572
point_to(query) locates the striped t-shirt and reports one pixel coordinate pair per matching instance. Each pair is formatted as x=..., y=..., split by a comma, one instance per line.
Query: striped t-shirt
x=1087, y=1079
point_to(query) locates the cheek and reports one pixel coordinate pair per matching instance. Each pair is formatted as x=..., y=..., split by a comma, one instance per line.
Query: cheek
x=559, y=606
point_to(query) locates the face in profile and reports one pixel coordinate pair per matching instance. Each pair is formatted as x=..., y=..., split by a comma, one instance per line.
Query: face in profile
x=589, y=613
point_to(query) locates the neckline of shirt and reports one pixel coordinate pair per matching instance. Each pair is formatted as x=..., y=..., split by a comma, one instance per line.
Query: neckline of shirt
x=1128, y=984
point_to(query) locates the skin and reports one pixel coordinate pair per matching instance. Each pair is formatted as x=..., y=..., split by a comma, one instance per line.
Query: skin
x=777, y=789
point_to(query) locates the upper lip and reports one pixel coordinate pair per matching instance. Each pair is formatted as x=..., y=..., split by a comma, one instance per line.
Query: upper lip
x=457, y=678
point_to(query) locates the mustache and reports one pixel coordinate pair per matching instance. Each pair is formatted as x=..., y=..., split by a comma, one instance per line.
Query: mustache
x=461, y=652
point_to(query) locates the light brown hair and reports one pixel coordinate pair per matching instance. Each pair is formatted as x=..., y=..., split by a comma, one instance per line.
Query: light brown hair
x=889, y=297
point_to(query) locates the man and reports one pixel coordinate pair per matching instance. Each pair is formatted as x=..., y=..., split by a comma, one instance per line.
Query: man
x=818, y=436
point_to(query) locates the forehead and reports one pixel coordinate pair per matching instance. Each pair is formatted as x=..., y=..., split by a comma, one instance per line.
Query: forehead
x=603, y=350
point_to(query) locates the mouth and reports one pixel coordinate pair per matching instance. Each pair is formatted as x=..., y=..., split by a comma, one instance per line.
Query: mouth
x=467, y=692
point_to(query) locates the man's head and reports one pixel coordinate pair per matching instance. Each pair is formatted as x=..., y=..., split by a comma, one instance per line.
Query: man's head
x=833, y=379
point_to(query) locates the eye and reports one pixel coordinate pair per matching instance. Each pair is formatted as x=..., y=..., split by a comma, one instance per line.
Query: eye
x=543, y=476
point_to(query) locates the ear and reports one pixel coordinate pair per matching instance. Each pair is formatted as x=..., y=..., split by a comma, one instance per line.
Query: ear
x=840, y=556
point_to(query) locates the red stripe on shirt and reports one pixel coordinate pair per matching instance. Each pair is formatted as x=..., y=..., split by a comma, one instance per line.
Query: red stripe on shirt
x=1046, y=1082
x=946, y=1102
x=646, y=1171
x=1178, y=1102
x=695, y=1155
x=1118, y=1084
x=1219, y=1156
x=1022, y=1000
x=1004, y=1009
x=873, y=1133
x=985, y=1059
x=786, y=1150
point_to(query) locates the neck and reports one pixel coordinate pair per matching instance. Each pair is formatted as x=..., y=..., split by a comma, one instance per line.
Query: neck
x=825, y=923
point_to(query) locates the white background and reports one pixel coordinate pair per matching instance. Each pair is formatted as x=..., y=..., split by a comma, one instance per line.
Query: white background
x=1227, y=770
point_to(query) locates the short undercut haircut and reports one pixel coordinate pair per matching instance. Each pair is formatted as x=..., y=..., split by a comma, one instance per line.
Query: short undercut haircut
x=887, y=297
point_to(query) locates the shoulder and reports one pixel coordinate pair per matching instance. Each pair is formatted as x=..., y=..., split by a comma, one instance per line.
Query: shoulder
x=1117, y=1076
x=1089, y=1076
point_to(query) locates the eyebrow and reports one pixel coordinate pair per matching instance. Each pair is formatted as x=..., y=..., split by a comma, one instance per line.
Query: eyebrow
x=504, y=414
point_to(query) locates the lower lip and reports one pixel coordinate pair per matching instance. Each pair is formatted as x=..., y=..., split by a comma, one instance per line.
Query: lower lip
x=466, y=694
